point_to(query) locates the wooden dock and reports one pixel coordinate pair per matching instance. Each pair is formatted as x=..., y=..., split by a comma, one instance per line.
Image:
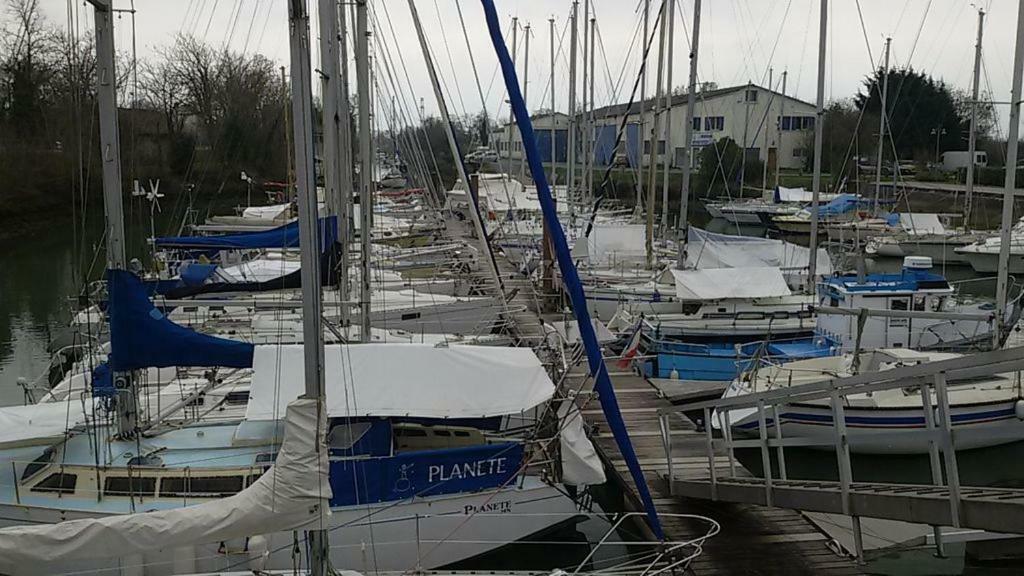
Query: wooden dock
x=754, y=539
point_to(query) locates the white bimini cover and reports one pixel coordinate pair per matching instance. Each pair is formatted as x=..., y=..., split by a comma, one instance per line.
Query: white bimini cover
x=723, y=283
x=710, y=250
x=294, y=493
x=271, y=212
x=418, y=380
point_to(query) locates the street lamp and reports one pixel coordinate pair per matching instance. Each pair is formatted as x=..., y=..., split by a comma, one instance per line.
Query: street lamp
x=248, y=192
x=938, y=132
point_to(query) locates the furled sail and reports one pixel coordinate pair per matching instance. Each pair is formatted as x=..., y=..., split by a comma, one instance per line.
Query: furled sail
x=286, y=236
x=293, y=494
x=142, y=337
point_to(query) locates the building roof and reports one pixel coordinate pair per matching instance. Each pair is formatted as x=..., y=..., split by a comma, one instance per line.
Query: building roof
x=680, y=100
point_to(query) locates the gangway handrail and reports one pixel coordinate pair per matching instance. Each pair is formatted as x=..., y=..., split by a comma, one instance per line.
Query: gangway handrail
x=962, y=368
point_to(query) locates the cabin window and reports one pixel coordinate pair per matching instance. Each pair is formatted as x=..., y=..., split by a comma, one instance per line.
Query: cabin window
x=253, y=478
x=833, y=301
x=803, y=314
x=237, y=398
x=147, y=460
x=919, y=302
x=750, y=315
x=780, y=315
x=344, y=436
x=38, y=464
x=58, y=483
x=201, y=486
x=411, y=316
x=461, y=434
x=410, y=432
x=898, y=304
x=938, y=303
x=444, y=433
x=266, y=458
x=125, y=486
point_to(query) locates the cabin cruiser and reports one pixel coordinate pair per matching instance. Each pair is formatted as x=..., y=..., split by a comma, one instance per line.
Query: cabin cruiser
x=983, y=255
x=843, y=323
x=923, y=235
x=781, y=201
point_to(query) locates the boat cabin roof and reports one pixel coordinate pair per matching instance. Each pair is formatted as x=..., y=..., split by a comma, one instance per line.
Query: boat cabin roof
x=907, y=281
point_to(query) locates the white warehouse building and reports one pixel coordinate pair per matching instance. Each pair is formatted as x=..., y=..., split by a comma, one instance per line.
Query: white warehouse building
x=745, y=113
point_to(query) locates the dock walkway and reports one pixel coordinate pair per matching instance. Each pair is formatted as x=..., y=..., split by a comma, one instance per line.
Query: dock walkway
x=754, y=539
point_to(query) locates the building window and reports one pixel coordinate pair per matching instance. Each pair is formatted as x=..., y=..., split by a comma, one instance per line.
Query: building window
x=647, y=146
x=798, y=152
x=794, y=123
x=696, y=122
x=750, y=96
x=661, y=146
x=714, y=123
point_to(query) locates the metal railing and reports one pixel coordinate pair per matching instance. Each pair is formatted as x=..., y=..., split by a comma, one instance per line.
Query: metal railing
x=930, y=378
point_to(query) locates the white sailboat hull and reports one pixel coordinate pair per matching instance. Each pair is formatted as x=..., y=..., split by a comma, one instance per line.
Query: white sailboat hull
x=395, y=536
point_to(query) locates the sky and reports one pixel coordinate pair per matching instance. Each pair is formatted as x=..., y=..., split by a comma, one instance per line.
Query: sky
x=740, y=40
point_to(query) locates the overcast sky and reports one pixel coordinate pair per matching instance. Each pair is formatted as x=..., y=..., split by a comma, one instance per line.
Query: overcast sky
x=740, y=40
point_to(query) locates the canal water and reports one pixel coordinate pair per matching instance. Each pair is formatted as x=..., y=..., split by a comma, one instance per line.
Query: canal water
x=42, y=271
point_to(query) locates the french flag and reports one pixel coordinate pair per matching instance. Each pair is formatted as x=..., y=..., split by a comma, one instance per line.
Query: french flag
x=632, y=348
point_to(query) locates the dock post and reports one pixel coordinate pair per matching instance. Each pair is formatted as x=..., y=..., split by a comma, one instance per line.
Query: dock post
x=780, y=450
x=842, y=447
x=727, y=436
x=666, y=442
x=766, y=461
x=709, y=446
x=948, y=449
x=933, y=456
x=858, y=540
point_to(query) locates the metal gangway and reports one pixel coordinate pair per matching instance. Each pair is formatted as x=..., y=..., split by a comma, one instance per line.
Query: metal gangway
x=944, y=502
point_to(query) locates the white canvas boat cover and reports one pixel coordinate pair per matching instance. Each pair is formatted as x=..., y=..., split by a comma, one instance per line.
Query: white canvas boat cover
x=609, y=243
x=41, y=423
x=259, y=270
x=722, y=283
x=293, y=494
x=403, y=380
x=800, y=195
x=266, y=212
x=710, y=250
x=581, y=466
x=922, y=223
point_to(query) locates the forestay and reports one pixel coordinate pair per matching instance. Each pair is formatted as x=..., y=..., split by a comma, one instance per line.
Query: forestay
x=723, y=283
x=418, y=380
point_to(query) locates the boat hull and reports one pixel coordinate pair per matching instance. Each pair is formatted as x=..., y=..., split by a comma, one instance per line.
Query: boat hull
x=426, y=532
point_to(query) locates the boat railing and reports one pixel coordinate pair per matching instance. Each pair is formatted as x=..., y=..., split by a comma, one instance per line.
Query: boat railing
x=832, y=393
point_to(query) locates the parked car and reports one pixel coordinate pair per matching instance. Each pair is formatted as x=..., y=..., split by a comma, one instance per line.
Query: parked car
x=482, y=154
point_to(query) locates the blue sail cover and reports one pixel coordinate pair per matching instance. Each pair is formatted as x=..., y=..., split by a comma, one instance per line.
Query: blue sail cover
x=839, y=205
x=142, y=337
x=286, y=236
x=602, y=382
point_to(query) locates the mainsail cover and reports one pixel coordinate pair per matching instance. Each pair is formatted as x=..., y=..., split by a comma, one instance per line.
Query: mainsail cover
x=286, y=236
x=292, y=495
x=142, y=337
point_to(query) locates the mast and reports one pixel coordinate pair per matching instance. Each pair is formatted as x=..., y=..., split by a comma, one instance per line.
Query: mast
x=309, y=237
x=818, y=129
x=746, y=140
x=287, y=142
x=881, y=124
x=590, y=116
x=669, y=149
x=778, y=128
x=449, y=131
x=365, y=165
x=1011, y=181
x=526, y=88
x=570, y=178
x=554, y=155
x=113, y=206
x=767, y=114
x=655, y=125
x=972, y=138
x=329, y=74
x=345, y=185
x=691, y=104
x=511, y=119
x=643, y=105
x=584, y=119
